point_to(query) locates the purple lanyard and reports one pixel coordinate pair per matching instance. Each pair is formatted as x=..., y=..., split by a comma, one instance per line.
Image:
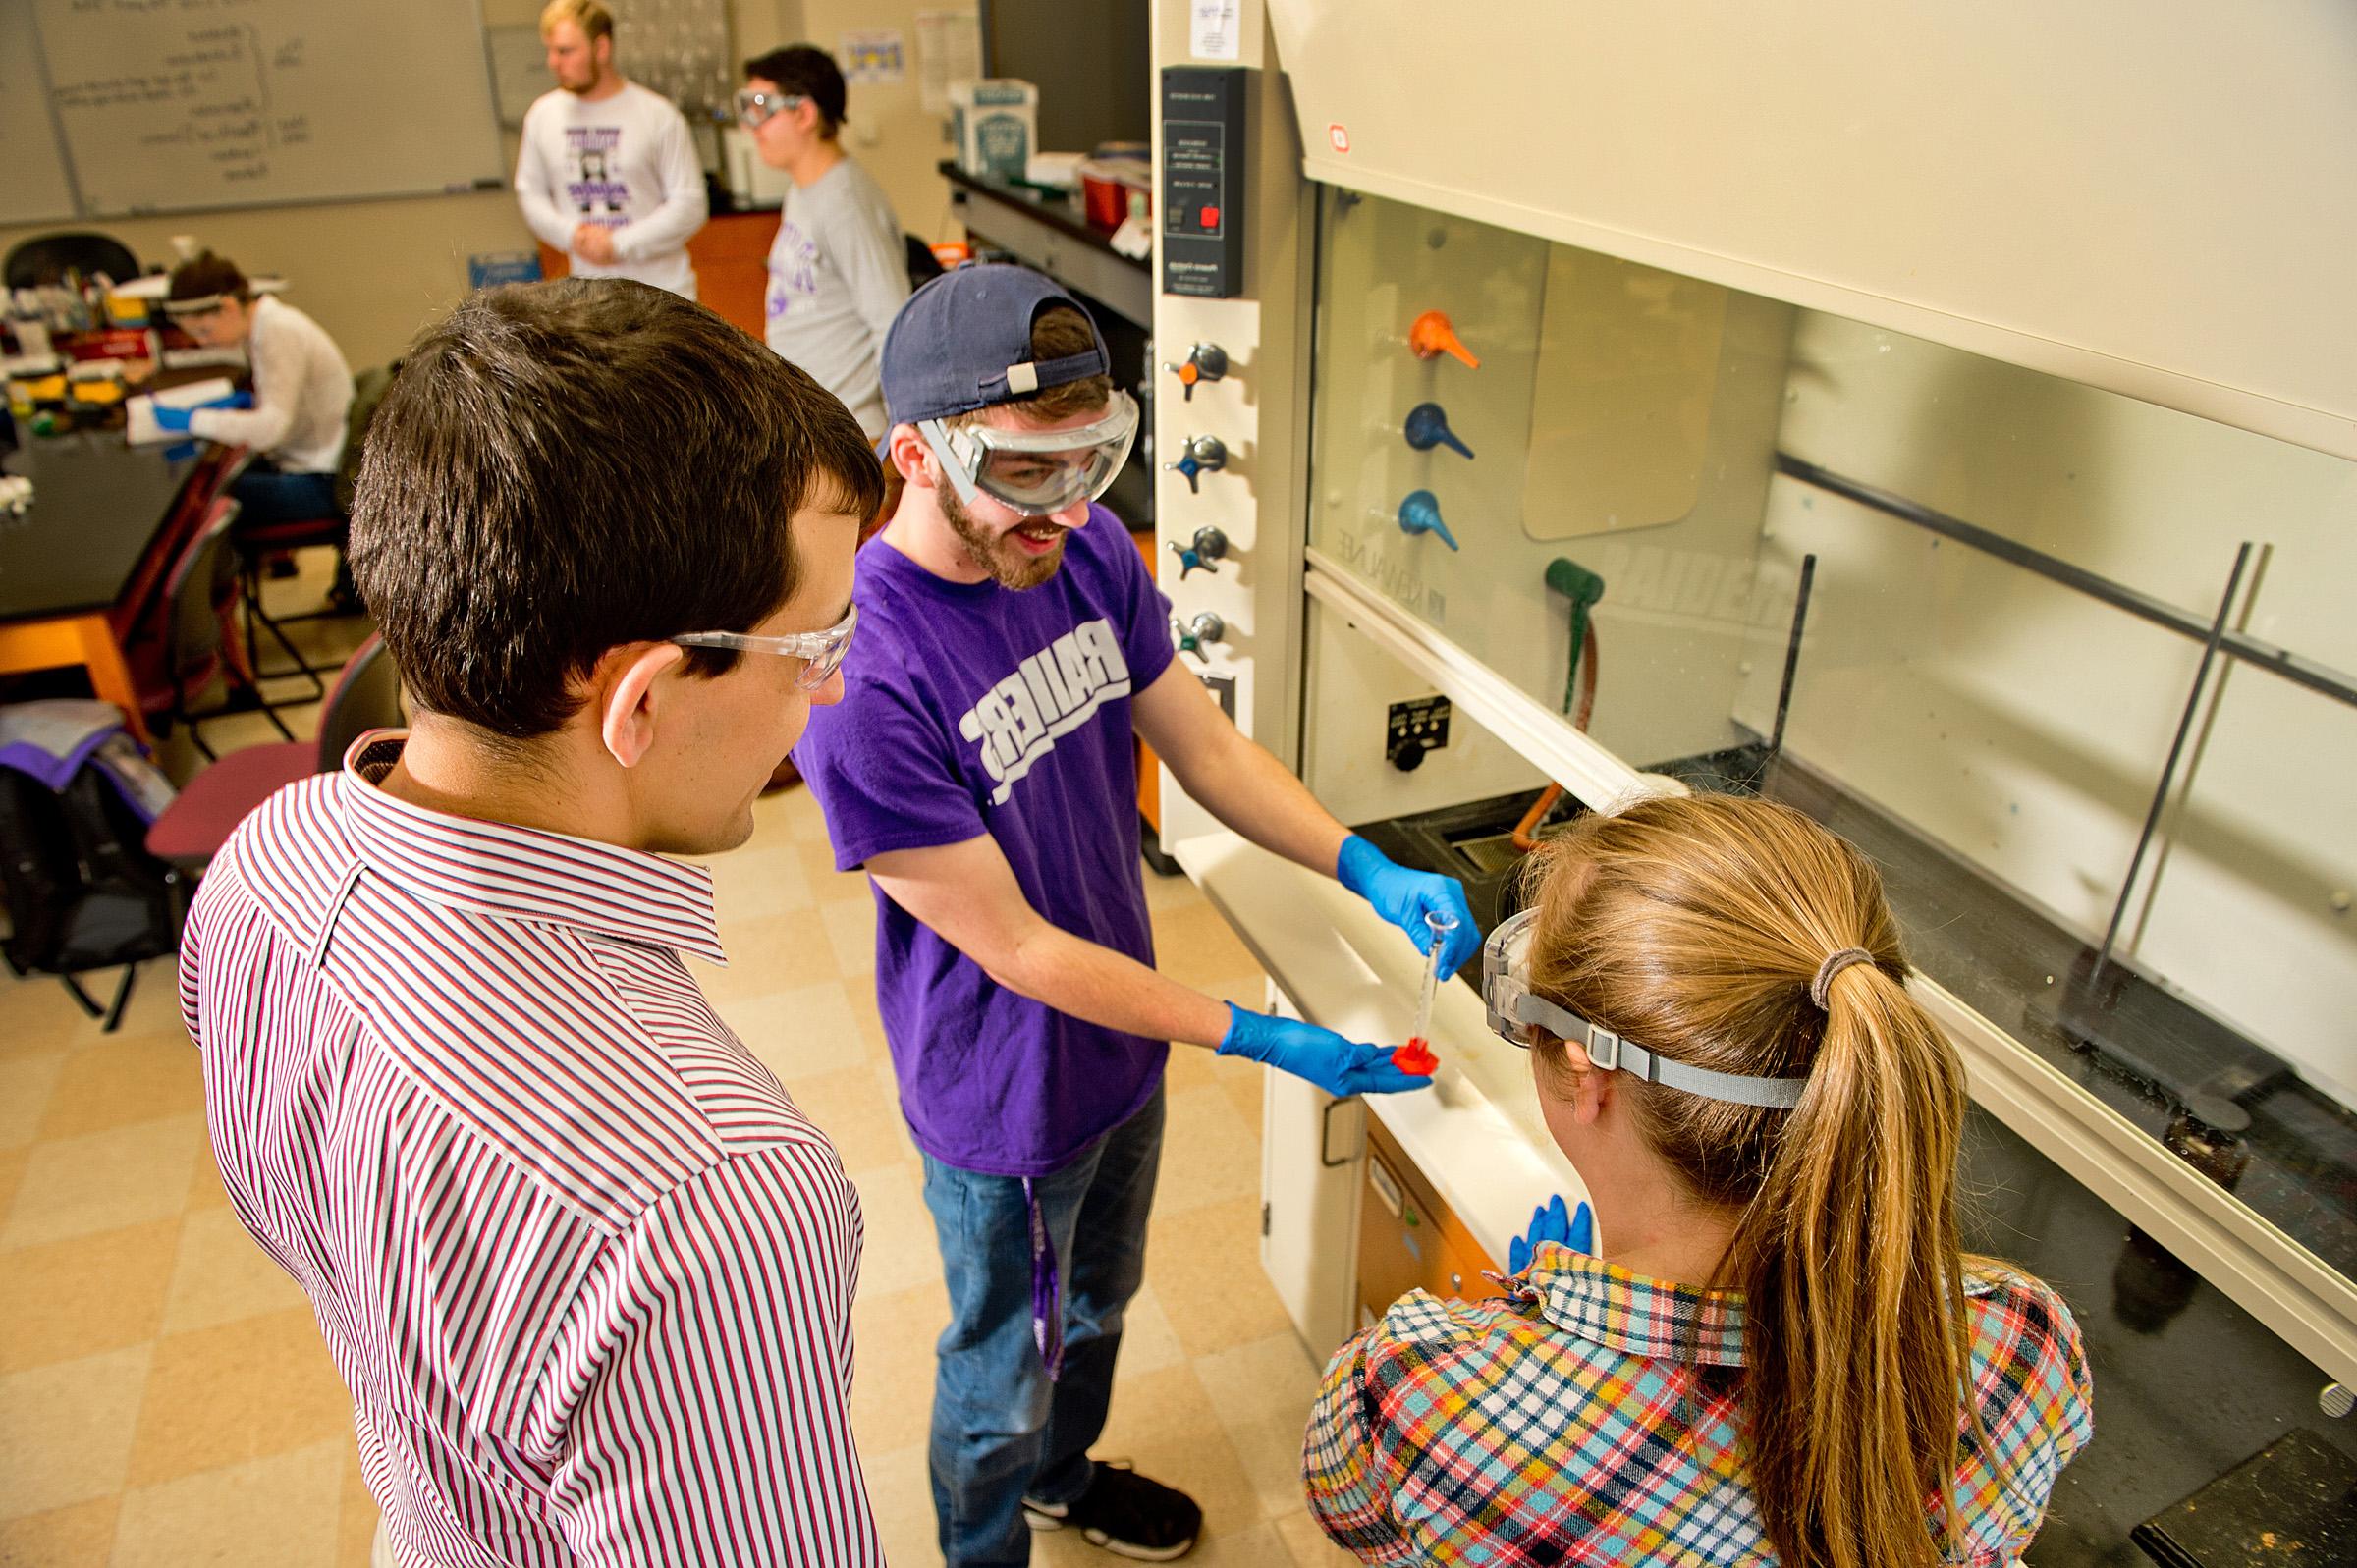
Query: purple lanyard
x=1047, y=1314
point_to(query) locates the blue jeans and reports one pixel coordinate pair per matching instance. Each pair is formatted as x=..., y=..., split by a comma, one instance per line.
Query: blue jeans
x=265, y=495
x=1001, y=1430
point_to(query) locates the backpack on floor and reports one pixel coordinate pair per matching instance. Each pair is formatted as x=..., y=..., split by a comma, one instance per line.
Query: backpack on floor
x=83, y=893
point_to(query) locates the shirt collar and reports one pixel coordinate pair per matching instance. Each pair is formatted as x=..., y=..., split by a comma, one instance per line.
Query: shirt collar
x=513, y=873
x=1639, y=1315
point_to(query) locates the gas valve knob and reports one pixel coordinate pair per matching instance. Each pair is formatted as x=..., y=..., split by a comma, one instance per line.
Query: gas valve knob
x=1205, y=361
x=1193, y=634
x=1208, y=547
x=1199, y=454
x=1428, y=427
x=1420, y=512
x=1431, y=334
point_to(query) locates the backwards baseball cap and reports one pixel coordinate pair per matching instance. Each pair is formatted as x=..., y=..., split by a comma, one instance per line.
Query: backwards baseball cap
x=963, y=343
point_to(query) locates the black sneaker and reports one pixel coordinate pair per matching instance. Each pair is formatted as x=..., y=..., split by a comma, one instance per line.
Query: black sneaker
x=1124, y=1513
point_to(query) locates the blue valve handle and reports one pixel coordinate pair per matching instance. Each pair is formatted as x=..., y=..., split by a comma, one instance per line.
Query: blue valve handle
x=1420, y=512
x=1191, y=560
x=1188, y=467
x=1428, y=427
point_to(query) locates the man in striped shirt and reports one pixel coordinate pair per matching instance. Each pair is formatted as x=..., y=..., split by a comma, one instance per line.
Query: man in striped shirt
x=584, y=1268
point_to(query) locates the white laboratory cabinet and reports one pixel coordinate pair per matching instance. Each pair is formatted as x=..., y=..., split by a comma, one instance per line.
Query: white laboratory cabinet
x=1941, y=419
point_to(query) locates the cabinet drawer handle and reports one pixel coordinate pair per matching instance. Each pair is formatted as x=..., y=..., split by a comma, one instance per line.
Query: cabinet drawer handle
x=1326, y=1135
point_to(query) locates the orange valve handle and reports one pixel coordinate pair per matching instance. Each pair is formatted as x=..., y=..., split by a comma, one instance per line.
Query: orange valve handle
x=1433, y=334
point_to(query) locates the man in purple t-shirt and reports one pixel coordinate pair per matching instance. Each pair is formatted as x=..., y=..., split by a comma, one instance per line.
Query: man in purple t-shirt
x=980, y=768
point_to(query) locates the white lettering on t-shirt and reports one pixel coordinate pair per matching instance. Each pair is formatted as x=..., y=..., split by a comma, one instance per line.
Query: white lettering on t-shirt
x=1047, y=694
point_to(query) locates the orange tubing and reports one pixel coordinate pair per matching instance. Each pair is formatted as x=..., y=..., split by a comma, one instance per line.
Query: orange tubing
x=1526, y=831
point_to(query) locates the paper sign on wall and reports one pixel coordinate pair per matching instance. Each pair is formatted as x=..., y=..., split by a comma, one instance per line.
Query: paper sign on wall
x=949, y=49
x=874, y=56
x=1214, y=29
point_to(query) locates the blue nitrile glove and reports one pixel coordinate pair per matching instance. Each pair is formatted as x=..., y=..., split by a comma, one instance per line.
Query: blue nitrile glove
x=235, y=399
x=1555, y=1223
x=1403, y=897
x=1341, y=1068
x=175, y=420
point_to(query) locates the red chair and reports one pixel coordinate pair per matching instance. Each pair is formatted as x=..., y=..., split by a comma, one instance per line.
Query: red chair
x=366, y=697
x=202, y=595
x=141, y=618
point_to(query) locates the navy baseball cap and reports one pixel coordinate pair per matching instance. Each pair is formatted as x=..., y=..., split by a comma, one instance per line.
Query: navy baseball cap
x=963, y=342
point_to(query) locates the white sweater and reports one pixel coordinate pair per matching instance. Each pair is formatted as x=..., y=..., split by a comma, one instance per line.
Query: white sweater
x=625, y=162
x=302, y=394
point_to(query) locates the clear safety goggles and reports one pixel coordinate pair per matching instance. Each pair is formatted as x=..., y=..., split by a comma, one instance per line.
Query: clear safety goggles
x=1521, y=1016
x=1035, y=472
x=821, y=651
x=757, y=109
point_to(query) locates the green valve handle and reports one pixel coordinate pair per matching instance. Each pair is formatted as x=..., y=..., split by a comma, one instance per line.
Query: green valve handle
x=1584, y=589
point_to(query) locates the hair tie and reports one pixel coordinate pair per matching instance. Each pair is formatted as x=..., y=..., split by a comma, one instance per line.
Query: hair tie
x=1834, y=964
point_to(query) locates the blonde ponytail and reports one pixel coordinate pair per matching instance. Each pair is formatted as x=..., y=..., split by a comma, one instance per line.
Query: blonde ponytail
x=1699, y=927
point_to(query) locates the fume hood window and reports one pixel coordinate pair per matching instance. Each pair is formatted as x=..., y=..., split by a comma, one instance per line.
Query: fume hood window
x=1997, y=628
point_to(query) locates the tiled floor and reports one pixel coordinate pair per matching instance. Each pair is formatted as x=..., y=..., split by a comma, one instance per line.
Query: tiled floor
x=165, y=1398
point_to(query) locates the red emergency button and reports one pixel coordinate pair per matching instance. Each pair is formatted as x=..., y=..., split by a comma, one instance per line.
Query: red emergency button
x=1211, y=217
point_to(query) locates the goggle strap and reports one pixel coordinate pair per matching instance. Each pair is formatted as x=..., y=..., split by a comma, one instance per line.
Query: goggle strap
x=1611, y=1051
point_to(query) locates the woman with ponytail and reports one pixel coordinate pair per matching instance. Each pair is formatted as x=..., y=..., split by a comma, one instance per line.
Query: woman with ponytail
x=1780, y=1354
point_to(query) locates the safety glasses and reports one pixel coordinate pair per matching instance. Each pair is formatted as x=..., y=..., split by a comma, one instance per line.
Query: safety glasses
x=1035, y=472
x=821, y=651
x=1522, y=1017
x=755, y=109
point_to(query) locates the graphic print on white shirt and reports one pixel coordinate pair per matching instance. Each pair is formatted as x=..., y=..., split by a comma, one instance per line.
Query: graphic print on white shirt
x=597, y=189
x=1051, y=693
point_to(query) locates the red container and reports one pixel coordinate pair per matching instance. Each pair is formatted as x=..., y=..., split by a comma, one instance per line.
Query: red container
x=1105, y=187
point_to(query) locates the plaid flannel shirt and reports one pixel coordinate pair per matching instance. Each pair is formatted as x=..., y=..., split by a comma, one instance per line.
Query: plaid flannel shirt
x=1594, y=1416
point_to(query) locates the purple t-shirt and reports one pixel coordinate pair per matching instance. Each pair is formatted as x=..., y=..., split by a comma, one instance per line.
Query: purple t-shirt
x=971, y=709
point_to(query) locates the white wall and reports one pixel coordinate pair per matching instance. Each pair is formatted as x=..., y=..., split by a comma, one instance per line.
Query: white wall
x=889, y=133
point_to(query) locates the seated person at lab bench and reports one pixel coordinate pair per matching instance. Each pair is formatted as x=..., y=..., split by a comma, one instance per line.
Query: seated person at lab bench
x=839, y=267
x=302, y=392
x=1765, y=1362
x=607, y=171
x=981, y=768
x=583, y=1267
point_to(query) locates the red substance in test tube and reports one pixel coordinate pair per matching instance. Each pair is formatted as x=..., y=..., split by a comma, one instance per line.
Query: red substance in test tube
x=1415, y=1057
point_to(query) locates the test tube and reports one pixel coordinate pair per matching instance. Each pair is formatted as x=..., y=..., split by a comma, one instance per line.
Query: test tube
x=1443, y=926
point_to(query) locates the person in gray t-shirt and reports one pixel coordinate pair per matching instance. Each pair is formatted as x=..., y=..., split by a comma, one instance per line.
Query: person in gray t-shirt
x=838, y=270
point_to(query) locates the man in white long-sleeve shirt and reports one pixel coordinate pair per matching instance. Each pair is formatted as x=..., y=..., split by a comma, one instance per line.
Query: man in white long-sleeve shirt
x=839, y=268
x=608, y=173
x=302, y=392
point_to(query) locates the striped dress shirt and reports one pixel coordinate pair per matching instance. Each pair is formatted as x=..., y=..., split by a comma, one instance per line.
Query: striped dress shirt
x=1595, y=1415
x=584, y=1269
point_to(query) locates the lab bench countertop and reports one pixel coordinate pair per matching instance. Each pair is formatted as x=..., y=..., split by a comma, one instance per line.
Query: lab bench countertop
x=1476, y=1133
x=1060, y=210
x=1046, y=230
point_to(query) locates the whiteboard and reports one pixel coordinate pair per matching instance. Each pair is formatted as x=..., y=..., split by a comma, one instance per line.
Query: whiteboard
x=520, y=71
x=183, y=105
x=36, y=189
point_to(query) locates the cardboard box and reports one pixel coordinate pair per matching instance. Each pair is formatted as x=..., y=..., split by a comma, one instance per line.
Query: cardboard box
x=994, y=124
